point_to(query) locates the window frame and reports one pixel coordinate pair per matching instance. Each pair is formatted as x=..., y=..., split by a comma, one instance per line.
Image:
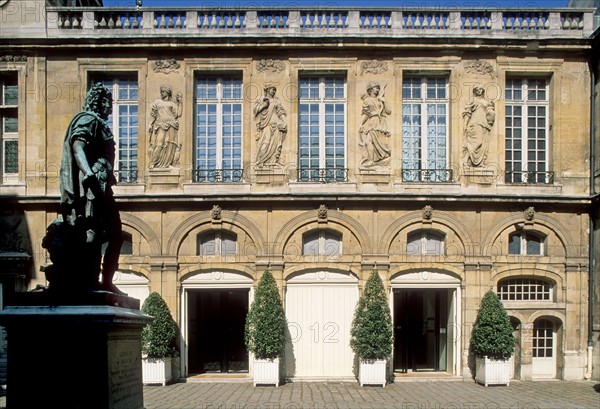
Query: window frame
x=525, y=289
x=423, y=248
x=527, y=176
x=219, y=236
x=323, y=173
x=423, y=173
x=323, y=236
x=524, y=239
x=219, y=173
x=9, y=111
x=130, y=174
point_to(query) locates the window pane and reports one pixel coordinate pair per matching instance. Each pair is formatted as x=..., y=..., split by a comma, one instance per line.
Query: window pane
x=11, y=156
x=514, y=244
x=413, y=243
x=310, y=245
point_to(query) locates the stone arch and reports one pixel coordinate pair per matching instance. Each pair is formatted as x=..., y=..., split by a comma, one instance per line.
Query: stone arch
x=241, y=271
x=333, y=267
x=548, y=224
x=556, y=316
x=228, y=218
x=441, y=221
x=137, y=224
x=308, y=221
x=512, y=272
x=450, y=272
x=136, y=270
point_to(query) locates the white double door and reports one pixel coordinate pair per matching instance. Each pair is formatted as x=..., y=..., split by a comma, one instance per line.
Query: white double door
x=319, y=315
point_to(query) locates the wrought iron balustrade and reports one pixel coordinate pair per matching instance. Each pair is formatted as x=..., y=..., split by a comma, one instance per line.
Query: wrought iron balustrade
x=323, y=175
x=529, y=177
x=126, y=175
x=217, y=175
x=427, y=175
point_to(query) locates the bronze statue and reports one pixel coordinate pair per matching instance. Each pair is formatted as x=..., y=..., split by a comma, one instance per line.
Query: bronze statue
x=89, y=217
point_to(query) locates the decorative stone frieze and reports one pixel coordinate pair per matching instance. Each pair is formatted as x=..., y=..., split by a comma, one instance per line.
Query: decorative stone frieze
x=13, y=58
x=166, y=66
x=270, y=65
x=479, y=67
x=373, y=67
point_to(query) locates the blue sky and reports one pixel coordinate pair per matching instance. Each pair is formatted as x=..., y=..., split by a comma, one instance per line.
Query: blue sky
x=342, y=3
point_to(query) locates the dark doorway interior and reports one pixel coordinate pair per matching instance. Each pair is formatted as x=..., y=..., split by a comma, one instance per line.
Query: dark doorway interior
x=216, y=331
x=420, y=329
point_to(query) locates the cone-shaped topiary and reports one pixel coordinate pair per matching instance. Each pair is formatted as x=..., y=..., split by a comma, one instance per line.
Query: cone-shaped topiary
x=159, y=338
x=372, y=335
x=492, y=334
x=265, y=322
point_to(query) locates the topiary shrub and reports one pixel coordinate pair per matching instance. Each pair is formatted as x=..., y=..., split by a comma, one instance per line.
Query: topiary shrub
x=372, y=335
x=492, y=333
x=159, y=338
x=265, y=323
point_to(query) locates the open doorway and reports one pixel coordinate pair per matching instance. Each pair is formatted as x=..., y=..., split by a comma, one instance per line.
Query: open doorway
x=423, y=327
x=216, y=319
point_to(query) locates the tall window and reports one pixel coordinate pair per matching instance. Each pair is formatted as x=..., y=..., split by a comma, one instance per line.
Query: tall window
x=218, y=123
x=217, y=243
x=425, y=242
x=322, y=122
x=425, y=129
x=9, y=129
x=527, y=109
x=322, y=243
x=124, y=124
x=526, y=244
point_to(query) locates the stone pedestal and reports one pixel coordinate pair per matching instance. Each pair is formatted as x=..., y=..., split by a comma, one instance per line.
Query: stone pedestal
x=74, y=356
x=163, y=179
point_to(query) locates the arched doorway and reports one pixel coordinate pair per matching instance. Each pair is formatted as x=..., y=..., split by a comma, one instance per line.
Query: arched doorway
x=214, y=309
x=426, y=314
x=319, y=310
x=544, y=348
x=132, y=284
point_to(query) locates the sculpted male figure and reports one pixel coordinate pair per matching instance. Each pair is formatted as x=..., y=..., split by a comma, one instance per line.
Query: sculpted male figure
x=89, y=214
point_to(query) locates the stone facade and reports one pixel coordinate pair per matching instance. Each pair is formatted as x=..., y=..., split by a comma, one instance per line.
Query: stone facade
x=425, y=218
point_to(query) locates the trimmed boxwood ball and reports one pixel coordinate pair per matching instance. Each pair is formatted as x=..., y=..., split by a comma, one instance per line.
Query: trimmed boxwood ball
x=265, y=323
x=372, y=335
x=492, y=334
x=159, y=338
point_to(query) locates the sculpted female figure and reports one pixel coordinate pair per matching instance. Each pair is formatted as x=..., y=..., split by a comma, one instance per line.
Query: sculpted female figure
x=164, y=139
x=479, y=118
x=271, y=128
x=374, y=133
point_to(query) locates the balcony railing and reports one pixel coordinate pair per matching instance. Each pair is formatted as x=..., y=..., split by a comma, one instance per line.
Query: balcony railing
x=217, y=175
x=527, y=177
x=427, y=175
x=294, y=21
x=323, y=175
x=126, y=176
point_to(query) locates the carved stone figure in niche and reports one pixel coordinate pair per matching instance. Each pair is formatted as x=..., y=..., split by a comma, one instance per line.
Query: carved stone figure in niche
x=479, y=116
x=374, y=132
x=164, y=149
x=89, y=217
x=271, y=128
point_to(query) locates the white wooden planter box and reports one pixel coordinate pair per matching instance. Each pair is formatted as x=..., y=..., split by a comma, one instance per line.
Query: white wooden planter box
x=492, y=372
x=372, y=373
x=156, y=371
x=266, y=372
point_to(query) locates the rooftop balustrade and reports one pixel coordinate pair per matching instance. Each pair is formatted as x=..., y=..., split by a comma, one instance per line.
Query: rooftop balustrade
x=320, y=22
